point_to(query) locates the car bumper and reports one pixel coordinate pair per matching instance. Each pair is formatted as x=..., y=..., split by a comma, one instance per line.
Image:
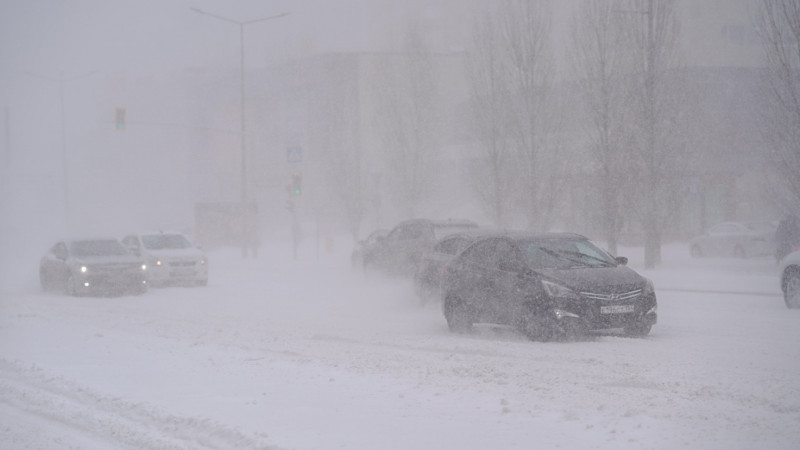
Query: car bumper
x=109, y=283
x=182, y=273
x=591, y=315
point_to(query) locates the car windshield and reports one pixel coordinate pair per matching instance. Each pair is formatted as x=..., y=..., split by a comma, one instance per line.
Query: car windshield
x=162, y=241
x=108, y=247
x=760, y=226
x=565, y=254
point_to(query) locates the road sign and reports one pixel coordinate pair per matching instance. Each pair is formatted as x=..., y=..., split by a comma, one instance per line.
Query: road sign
x=294, y=154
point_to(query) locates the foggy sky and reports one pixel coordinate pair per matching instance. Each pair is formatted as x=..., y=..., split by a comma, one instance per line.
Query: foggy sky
x=100, y=48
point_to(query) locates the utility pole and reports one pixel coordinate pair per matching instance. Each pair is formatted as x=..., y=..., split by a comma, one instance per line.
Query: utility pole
x=241, y=25
x=245, y=219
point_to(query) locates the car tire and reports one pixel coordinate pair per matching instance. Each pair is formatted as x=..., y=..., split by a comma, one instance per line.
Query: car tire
x=696, y=251
x=791, y=288
x=537, y=328
x=457, y=314
x=638, y=330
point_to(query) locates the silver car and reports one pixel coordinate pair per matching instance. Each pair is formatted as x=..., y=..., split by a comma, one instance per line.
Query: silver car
x=94, y=266
x=171, y=258
x=738, y=239
x=790, y=279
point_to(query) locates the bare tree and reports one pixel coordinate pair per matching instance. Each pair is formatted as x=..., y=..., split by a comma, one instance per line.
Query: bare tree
x=525, y=28
x=490, y=177
x=778, y=22
x=601, y=63
x=652, y=33
x=335, y=117
x=407, y=119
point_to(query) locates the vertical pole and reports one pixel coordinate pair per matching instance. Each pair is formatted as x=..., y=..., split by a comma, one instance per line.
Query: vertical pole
x=64, y=162
x=244, y=152
x=245, y=210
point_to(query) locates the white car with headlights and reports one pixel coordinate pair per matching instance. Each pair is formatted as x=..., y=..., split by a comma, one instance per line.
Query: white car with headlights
x=790, y=279
x=171, y=257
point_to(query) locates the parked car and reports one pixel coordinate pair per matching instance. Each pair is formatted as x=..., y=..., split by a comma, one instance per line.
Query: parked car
x=739, y=239
x=92, y=266
x=172, y=258
x=428, y=276
x=790, y=279
x=548, y=286
x=401, y=250
x=363, y=246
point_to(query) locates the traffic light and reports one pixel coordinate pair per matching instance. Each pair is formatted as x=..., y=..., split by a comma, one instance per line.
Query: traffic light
x=297, y=184
x=120, y=119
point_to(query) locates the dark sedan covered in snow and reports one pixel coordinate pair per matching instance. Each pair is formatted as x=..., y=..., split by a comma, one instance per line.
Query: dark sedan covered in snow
x=548, y=286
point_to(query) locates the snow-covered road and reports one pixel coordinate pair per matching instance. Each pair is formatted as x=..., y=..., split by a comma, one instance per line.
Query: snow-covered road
x=307, y=353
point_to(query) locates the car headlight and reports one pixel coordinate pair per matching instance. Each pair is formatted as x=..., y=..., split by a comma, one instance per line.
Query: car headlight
x=84, y=269
x=555, y=290
x=144, y=266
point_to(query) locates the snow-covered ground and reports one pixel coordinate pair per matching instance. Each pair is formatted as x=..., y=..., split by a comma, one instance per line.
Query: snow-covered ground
x=307, y=353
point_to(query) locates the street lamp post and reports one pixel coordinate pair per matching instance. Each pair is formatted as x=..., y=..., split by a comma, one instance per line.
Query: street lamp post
x=241, y=41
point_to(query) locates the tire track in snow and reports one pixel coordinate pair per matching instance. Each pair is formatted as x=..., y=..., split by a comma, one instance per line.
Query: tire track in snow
x=110, y=421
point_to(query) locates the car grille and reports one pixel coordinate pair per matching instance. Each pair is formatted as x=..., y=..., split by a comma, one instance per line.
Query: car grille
x=613, y=297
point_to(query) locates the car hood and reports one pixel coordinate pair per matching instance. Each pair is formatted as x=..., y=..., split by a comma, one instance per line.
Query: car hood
x=595, y=279
x=177, y=253
x=108, y=260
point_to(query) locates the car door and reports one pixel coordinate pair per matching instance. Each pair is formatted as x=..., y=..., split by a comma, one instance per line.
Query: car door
x=467, y=278
x=504, y=273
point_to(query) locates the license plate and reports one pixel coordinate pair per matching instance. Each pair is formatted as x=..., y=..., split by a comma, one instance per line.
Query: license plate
x=616, y=309
x=182, y=272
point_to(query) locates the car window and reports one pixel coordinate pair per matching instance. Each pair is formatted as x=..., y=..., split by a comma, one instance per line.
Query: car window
x=505, y=253
x=107, y=247
x=451, y=246
x=565, y=254
x=164, y=241
x=761, y=227
x=131, y=241
x=479, y=252
x=407, y=232
x=442, y=230
x=490, y=253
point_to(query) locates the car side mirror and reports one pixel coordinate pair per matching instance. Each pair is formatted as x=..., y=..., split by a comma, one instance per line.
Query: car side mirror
x=621, y=260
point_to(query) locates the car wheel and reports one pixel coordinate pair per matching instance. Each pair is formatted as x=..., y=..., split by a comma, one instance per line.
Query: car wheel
x=639, y=330
x=696, y=251
x=457, y=313
x=537, y=328
x=791, y=289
